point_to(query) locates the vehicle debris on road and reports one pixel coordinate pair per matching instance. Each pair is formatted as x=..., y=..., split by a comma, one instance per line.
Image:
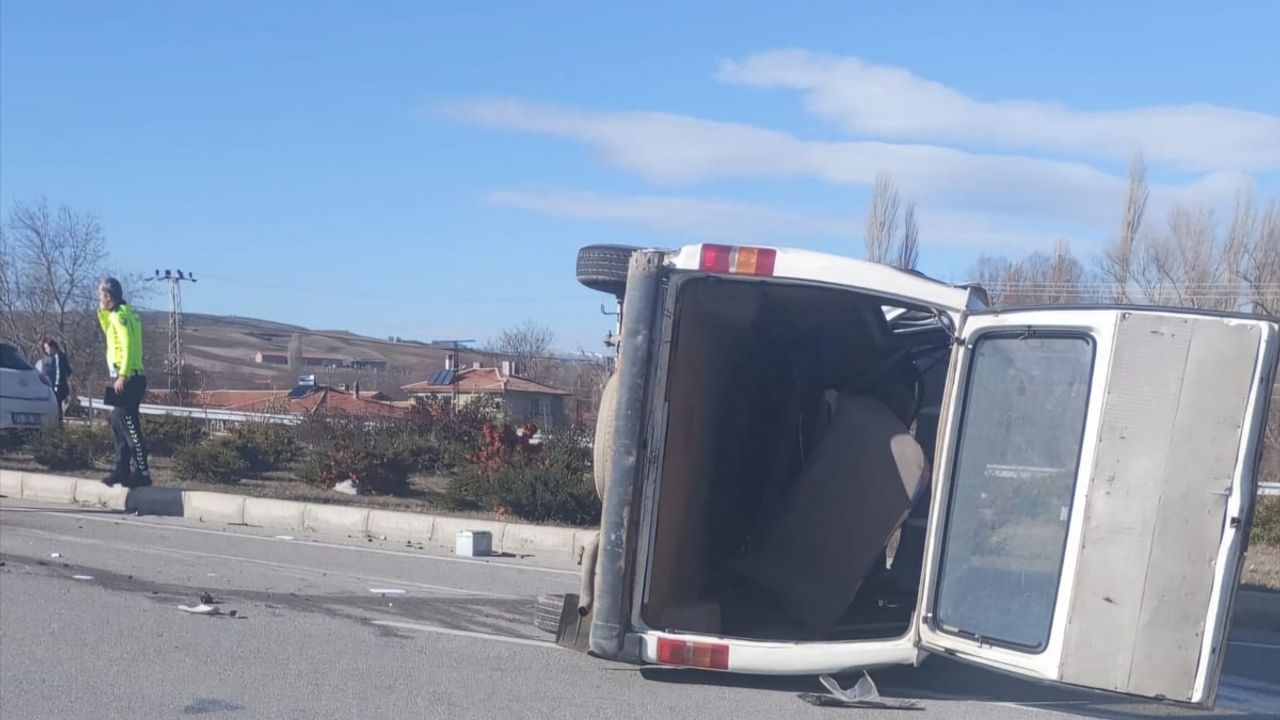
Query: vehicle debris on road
x=201, y=609
x=864, y=693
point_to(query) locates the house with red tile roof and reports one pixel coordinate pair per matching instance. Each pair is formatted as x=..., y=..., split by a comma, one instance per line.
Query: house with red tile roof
x=522, y=399
x=316, y=399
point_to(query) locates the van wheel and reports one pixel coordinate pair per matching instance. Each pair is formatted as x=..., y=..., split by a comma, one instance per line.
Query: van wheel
x=602, y=450
x=604, y=267
x=546, y=612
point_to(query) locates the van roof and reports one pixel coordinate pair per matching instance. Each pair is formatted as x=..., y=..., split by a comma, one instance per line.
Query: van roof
x=911, y=288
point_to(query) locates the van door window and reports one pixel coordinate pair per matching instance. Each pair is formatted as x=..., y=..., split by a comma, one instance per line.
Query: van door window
x=1018, y=453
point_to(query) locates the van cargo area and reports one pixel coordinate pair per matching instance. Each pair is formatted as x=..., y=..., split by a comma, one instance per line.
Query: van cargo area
x=799, y=424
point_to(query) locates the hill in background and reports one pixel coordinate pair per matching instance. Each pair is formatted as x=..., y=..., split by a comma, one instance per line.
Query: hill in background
x=224, y=350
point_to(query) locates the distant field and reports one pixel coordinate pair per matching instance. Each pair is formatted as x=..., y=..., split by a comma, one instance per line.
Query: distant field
x=223, y=349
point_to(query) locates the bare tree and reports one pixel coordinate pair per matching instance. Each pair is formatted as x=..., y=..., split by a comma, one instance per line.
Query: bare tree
x=52, y=260
x=883, y=243
x=882, y=219
x=992, y=273
x=1260, y=265
x=1191, y=265
x=1116, y=264
x=528, y=344
x=907, y=253
x=294, y=354
x=1039, y=278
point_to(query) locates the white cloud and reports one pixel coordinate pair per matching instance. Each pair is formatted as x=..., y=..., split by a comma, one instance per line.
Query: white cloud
x=699, y=219
x=675, y=149
x=691, y=217
x=891, y=102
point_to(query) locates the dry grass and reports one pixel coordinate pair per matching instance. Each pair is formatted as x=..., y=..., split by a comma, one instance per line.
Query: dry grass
x=1262, y=567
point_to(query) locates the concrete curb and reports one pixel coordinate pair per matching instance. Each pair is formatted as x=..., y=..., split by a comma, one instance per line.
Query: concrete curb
x=515, y=538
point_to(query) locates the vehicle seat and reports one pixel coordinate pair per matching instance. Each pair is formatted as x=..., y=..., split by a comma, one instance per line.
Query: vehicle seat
x=833, y=522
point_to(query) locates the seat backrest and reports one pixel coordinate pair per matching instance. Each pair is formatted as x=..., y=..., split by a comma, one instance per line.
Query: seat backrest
x=834, y=519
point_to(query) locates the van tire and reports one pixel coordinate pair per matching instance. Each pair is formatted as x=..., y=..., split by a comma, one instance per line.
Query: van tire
x=546, y=613
x=604, y=267
x=602, y=446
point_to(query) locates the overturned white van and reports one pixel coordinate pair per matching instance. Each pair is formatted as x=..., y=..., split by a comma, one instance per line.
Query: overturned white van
x=811, y=464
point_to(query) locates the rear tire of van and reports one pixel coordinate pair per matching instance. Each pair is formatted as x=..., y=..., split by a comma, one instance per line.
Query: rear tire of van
x=602, y=450
x=546, y=612
x=604, y=267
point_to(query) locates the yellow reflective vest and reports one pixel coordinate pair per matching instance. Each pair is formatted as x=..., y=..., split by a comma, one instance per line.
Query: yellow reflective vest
x=123, y=329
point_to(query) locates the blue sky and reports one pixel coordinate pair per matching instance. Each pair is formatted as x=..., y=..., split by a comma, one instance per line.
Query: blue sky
x=429, y=169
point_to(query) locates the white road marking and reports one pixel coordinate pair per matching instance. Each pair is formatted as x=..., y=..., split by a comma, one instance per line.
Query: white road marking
x=316, y=543
x=299, y=570
x=1245, y=643
x=466, y=633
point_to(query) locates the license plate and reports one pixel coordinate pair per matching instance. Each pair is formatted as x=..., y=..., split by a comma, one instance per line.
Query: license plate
x=27, y=418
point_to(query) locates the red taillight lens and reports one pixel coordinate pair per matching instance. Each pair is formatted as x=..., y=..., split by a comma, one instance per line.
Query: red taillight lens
x=689, y=654
x=673, y=652
x=738, y=260
x=716, y=258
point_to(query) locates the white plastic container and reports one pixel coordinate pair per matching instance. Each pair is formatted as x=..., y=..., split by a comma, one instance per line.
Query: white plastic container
x=473, y=543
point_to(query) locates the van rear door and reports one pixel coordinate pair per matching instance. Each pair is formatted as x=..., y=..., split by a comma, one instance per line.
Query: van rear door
x=1095, y=481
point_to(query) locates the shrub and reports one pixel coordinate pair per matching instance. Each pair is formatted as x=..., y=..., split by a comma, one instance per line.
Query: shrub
x=378, y=471
x=265, y=446
x=215, y=461
x=61, y=449
x=101, y=442
x=13, y=440
x=167, y=434
x=547, y=483
x=1266, y=522
x=446, y=433
x=372, y=451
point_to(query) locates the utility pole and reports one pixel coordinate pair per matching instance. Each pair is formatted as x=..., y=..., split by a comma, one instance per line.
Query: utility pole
x=457, y=348
x=174, y=363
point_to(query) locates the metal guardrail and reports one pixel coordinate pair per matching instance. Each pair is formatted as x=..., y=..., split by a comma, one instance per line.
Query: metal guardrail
x=206, y=414
x=1269, y=488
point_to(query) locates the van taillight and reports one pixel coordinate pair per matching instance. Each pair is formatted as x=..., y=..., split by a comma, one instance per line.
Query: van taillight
x=738, y=260
x=691, y=654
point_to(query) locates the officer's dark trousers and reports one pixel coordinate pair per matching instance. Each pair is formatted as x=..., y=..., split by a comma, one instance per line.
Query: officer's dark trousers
x=126, y=425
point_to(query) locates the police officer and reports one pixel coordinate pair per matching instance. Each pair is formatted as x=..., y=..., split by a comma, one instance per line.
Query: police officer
x=123, y=331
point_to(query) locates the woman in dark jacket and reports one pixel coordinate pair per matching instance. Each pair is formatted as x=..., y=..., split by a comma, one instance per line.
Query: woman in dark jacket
x=57, y=369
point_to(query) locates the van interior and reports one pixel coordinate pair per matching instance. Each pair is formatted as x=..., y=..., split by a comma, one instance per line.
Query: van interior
x=793, y=484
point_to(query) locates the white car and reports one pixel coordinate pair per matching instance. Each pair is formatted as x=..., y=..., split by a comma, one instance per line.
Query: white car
x=26, y=400
x=1062, y=493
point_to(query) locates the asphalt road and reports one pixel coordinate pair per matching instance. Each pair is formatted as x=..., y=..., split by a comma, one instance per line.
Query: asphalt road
x=311, y=639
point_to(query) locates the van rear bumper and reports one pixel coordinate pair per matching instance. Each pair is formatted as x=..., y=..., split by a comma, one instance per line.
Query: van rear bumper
x=755, y=657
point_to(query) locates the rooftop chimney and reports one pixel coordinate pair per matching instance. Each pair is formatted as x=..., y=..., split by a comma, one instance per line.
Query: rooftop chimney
x=450, y=361
x=507, y=368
